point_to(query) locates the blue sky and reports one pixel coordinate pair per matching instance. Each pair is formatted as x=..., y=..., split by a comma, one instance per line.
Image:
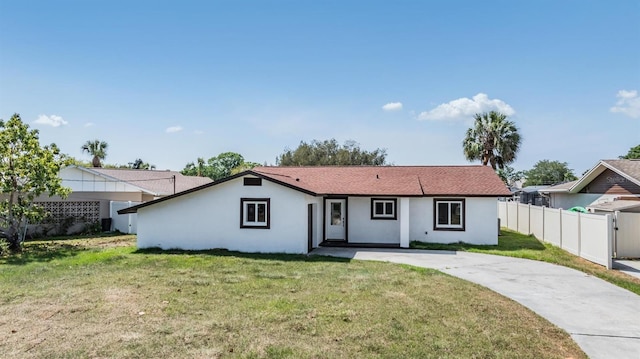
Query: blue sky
x=170, y=81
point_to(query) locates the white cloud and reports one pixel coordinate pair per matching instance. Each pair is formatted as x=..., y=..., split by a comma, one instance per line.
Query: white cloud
x=88, y=124
x=628, y=103
x=53, y=120
x=173, y=129
x=392, y=106
x=466, y=107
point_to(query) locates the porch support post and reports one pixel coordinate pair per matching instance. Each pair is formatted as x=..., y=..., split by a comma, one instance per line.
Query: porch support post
x=404, y=222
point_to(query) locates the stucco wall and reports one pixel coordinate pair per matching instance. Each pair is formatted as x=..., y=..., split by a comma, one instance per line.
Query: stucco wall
x=210, y=218
x=363, y=229
x=481, y=223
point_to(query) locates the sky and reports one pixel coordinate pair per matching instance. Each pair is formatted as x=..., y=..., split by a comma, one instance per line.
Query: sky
x=171, y=81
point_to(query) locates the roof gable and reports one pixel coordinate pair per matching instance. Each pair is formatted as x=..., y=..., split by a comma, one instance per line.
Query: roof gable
x=628, y=169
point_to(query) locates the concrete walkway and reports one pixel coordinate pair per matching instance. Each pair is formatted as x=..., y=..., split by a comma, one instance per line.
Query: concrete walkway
x=603, y=319
x=631, y=267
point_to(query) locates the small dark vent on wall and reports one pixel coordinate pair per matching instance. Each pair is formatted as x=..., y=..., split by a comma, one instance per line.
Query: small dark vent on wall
x=252, y=181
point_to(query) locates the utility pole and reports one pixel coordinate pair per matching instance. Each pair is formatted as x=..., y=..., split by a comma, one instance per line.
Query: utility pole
x=174, y=184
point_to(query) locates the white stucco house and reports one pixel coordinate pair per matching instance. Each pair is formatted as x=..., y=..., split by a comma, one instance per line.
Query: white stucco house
x=295, y=209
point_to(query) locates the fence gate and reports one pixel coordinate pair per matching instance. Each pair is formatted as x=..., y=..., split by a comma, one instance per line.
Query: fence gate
x=627, y=244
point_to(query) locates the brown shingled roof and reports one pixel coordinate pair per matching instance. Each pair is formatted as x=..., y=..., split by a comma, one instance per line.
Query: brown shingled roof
x=630, y=167
x=391, y=180
x=373, y=181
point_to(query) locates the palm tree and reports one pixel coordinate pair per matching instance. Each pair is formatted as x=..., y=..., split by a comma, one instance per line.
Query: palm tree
x=139, y=164
x=97, y=149
x=493, y=140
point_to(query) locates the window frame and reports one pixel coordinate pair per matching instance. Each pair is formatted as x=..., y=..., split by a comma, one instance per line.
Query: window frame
x=449, y=227
x=392, y=216
x=244, y=223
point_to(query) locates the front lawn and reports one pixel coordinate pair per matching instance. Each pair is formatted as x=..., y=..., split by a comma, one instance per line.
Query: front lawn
x=102, y=298
x=514, y=244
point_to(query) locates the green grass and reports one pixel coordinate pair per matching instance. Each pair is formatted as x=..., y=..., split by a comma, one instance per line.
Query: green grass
x=518, y=245
x=90, y=298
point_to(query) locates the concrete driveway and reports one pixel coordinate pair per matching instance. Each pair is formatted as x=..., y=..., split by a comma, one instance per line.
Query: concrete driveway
x=603, y=319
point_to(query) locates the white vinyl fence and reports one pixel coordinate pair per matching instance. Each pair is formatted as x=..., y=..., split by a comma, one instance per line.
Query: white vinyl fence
x=589, y=236
x=125, y=223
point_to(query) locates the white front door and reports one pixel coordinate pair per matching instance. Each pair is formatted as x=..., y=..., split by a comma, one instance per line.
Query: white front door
x=336, y=216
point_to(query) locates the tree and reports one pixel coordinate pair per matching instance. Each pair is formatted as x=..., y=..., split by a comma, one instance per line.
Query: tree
x=139, y=164
x=492, y=140
x=27, y=170
x=634, y=153
x=547, y=172
x=509, y=175
x=97, y=149
x=330, y=153
x=220, y=166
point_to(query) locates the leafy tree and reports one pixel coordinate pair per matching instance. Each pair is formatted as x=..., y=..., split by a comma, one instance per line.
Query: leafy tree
x=330, y=153
x=27, y=170
x=97, y=149
x=139, y=164
x=220, y=166
x=634, y=153
x=492, y=140
x=509, y=175
x=547, y=172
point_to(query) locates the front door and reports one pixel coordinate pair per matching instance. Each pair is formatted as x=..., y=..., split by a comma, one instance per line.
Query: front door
x=336, y=219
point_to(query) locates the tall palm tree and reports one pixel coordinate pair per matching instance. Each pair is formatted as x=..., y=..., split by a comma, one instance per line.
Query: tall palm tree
x=97, y=149
x=492, y=140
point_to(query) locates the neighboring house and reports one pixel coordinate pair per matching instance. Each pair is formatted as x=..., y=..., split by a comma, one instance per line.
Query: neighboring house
x=611, y=185
x=295, y=209
x=94, y=188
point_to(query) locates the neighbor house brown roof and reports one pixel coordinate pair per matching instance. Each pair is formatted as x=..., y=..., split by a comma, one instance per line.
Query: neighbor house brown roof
x=159, y=183
x=391, y=180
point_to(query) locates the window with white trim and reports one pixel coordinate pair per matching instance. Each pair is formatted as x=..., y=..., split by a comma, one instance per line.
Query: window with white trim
x=383, y=208
x=255, y=213
x=449, y=214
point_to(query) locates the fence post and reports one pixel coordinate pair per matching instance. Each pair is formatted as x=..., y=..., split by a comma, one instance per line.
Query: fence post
x=529, y=219
x=610, y=230
x=616, y=222
x=560, y=214
x=543, y=224
x=579, y=235
x=506, y=215
x=129, y=218
x=518, y=217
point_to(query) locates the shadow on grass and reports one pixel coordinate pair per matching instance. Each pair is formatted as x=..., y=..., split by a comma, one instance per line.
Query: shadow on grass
x=226, y=253
x=77, y=236
x=42, y=253
x=507, y=241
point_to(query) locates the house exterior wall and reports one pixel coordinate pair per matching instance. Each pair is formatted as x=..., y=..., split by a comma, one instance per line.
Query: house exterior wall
x=210, y=218
x=363, y=229
x=568, y=200
x=104, y=197
x=481, y=224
